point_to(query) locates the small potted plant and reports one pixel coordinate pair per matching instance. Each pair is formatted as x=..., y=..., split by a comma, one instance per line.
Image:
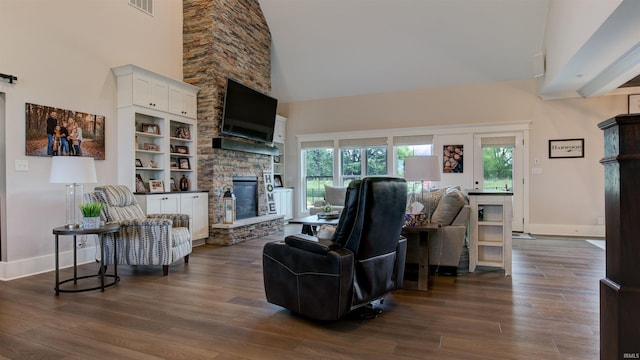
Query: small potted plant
x=327, y=208
x=91, y=214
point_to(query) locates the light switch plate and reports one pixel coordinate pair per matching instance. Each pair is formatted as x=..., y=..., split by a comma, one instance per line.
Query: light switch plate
x=22, y=165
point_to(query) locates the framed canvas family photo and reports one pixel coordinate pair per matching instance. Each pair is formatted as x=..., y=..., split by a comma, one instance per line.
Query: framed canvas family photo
x=53, y=131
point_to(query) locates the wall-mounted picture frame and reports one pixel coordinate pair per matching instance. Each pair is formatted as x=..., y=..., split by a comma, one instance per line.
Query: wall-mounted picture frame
x=150, y=129
x=566, y=148
x=634, y=104
x=53, y=131
x=277, y=181
x=156, y=186
x=182, y=132
x=184, y=163
x=182, y=149
x=453, y=158
x=140, y=186
x=151, y=147
x=138, y=163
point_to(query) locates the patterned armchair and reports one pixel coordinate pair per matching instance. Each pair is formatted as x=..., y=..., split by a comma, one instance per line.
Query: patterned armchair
x=143, y=239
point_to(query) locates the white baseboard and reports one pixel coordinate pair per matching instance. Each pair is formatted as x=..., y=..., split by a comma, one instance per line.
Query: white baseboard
x=11, y=270
x=567, y=230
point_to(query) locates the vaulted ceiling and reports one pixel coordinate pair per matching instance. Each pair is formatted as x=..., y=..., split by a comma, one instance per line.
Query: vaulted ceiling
x=334, y=48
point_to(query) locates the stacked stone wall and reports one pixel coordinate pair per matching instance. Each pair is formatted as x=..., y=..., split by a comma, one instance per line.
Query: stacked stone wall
x=224, y=39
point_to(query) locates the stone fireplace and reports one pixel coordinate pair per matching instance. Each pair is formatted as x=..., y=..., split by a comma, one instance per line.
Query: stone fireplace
x=227, y=39
x=229, y=167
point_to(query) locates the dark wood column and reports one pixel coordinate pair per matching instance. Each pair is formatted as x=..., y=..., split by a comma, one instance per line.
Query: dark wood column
x=620, y=289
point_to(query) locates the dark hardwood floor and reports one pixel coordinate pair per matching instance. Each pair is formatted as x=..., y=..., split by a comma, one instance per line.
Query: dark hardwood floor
x=215, y=308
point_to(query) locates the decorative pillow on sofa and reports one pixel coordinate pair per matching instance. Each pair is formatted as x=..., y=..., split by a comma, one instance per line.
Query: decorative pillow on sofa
x=335, y=195
x=448, y=208
x=430, y=200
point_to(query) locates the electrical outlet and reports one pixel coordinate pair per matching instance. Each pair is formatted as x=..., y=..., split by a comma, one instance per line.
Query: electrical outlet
x=83, y=242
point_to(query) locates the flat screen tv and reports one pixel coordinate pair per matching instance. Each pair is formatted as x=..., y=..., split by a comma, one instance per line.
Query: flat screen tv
x=248, y=113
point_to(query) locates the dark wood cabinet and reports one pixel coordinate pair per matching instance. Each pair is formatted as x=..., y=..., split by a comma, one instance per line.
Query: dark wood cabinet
x=620, y=289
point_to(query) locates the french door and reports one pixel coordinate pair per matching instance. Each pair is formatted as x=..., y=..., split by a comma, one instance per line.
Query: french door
x=499, y=166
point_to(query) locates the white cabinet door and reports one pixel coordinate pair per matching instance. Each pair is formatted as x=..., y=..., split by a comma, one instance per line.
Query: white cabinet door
x=277, y=200
x=190, y=104
x=159, y=204
x=287, y=200
x=283, y=199
x=182, y=102
x=196, y=205
x=150, y=92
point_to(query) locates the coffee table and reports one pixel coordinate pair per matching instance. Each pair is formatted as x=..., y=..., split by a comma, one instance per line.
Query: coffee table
x=309, y=223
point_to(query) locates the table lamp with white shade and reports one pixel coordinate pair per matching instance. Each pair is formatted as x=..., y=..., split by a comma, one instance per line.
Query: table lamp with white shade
x=422, y=168
x=73, y=171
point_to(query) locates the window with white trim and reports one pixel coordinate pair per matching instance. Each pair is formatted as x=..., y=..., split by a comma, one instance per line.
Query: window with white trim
x=317, y=169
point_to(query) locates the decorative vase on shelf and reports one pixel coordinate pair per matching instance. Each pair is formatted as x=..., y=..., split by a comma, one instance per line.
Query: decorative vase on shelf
x=184, y=183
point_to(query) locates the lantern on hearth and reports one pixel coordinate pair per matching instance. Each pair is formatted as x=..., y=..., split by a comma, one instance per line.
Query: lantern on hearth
x=228, y=207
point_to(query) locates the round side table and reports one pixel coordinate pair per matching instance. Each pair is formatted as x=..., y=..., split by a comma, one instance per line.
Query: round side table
x=101, y=231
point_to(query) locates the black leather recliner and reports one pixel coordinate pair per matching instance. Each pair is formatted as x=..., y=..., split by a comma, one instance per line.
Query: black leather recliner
x=326, y=280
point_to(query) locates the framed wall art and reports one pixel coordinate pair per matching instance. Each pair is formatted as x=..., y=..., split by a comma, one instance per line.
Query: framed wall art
x=181, y=149
x=156, y=186
x=452, y=158
x=151, y=147
x=151, y=129
x=184, y=163
x=566, y=148
x=277, y=181
x=634, y=104
x=53, y=131
x=140, y=186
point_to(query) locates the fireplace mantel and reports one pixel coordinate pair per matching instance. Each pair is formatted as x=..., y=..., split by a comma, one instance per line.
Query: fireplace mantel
x=228, y=144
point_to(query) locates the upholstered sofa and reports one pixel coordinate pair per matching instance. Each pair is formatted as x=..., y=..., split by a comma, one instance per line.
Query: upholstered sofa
x=334, y=196
x=449, y=208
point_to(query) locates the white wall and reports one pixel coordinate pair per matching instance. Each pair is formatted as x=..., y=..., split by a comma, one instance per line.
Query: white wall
x=62, y=53
x=566, y=199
